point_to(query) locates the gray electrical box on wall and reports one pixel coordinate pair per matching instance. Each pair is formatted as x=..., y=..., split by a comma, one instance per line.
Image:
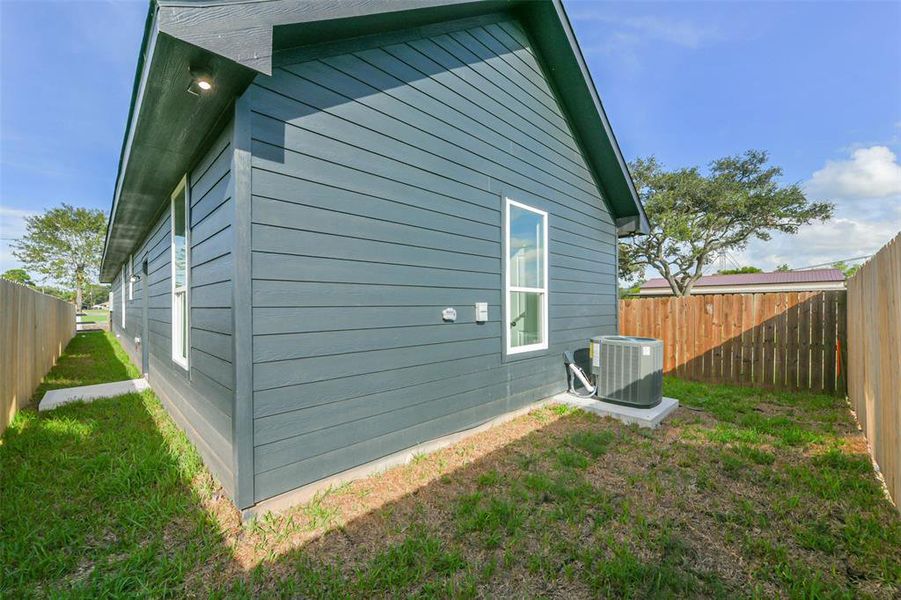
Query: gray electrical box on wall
x=481, y=312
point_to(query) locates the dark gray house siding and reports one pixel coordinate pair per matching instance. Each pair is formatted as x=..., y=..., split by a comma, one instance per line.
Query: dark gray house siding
x=200, y=399
x=378, y=180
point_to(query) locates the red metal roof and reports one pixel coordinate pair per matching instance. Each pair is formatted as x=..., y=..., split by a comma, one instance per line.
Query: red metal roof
x=811, y=276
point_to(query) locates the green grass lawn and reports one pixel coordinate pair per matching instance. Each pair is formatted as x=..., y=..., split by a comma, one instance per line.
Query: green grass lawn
x=91, y=357
x=741, y=494
x=97, y=316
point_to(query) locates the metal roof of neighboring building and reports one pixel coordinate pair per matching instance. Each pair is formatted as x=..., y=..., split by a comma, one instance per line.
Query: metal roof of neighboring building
x=811, y=276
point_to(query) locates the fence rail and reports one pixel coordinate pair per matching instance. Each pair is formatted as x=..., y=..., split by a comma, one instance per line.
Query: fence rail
x=776, y=340
x=874, y=358
x=34, y=331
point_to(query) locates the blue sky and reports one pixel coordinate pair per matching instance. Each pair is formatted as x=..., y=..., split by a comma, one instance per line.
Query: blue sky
x=818, y=85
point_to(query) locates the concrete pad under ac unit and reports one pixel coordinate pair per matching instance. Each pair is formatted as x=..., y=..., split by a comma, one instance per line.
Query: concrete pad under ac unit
x=643, y=417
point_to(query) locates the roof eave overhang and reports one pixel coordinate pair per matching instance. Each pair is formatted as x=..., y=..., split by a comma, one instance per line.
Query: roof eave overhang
x=168, y=128
x=559, y=49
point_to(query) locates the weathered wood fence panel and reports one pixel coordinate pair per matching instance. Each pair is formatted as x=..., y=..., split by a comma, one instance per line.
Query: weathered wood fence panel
x=34, y=331
x=774, y=340
x=874, y=358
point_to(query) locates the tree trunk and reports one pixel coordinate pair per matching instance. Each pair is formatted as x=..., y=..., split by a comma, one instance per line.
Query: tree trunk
x=79, y=283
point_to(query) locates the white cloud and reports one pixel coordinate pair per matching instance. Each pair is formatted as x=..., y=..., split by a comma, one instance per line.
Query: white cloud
x=820, y=243
x=870, y=173
x=866, y=190
x=680, y=32
x=623, y=37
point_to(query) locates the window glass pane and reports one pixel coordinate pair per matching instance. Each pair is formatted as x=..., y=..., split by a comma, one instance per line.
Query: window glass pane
x=526, y=248
x=525, y=318
x=182, y=334
x=178, y=242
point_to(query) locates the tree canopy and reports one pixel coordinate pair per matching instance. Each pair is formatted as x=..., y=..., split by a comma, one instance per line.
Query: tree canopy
x=65, y=244
x=848, y=270
x=740, y=271
x=20, y=276
x=695, y=217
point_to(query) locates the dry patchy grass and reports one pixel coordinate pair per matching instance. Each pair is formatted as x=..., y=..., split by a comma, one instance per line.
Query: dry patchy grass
x=741, y=493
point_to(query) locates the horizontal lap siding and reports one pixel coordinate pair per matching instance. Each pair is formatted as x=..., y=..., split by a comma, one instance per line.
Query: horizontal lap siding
x=200, y=401
x=378, y=179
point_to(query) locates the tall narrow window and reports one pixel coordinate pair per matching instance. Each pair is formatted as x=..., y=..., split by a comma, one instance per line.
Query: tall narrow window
x=526, y=278
x=179, y=256
x=131, y=277
x=123, y=298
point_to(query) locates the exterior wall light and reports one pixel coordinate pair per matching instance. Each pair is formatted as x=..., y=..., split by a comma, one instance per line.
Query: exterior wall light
x=201, y=83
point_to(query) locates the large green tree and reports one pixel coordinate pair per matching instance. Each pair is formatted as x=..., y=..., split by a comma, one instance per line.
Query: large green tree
x=696, y=217
x=65, y=244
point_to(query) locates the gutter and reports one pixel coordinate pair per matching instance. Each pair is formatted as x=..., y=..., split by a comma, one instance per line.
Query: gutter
x=145, y=57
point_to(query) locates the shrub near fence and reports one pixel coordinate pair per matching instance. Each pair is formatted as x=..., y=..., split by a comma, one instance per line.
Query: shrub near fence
x=874, y=358
x=34, y=330
x=774, y=340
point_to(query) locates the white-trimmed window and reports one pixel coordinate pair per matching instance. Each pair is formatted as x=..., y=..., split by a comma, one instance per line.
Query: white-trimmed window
x=131, y=277
x=526, y=277
x=180, y=269
x=123, y=298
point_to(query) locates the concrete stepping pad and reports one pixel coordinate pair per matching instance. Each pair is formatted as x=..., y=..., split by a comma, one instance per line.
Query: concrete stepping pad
x=86, y=393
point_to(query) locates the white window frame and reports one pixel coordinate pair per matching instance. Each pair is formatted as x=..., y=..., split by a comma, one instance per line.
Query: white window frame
x=131, y=277
x=123, y=298
x=181, y=323
x=543, y=291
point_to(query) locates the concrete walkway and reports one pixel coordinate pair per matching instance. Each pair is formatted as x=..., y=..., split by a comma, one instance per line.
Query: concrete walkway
x=643, y=417
x=86, y=393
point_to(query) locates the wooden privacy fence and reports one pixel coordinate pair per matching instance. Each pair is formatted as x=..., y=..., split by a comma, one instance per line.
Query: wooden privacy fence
x=874, y=358
x=34, y=331
x=778, y=340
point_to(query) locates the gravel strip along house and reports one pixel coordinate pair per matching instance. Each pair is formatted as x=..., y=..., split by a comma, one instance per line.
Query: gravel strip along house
x=341, y=230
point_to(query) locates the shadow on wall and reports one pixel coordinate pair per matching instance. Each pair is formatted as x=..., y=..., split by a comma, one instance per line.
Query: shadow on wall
x=289, y=107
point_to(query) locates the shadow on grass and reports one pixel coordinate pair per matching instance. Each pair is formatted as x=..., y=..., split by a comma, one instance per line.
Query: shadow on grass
x=91, y=357
x=569, y=505
x=552, y=504
x=102, y=500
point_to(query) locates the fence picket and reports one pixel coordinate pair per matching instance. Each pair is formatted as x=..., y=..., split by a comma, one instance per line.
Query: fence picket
x=873, y=358
x=34, y=330
x=765, y=339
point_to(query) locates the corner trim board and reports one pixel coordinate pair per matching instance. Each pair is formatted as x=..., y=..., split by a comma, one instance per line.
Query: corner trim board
x=242, y=308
